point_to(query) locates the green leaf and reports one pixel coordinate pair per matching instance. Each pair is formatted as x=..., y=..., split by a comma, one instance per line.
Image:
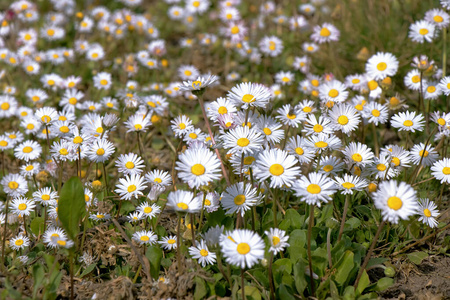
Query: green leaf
x=88, y=270
x=251, y=293
x=417, y=257
x=299, y=277
x=154, y=255
x=284, y=293
x=292, y=219
x=282, y=265
x=349, y=293
x=383, y=284
x=200, y=289
x=334, y=291
x=38, y=277
x=71, y=206
x=297, y=241
x=343, y=268
x=364, y=282
x=37, y=225
x=354, y=222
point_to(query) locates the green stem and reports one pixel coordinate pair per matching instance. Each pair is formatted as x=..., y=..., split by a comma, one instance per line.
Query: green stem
x=310, y=226
x=272, y=287
x=344, y=214
x=178, y=244
x=242, y=284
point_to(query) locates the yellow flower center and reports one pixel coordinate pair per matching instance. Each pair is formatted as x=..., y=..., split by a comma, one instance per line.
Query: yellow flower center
x=415, y=79
x=375, y=113
x=372, y=187
x=158, y=180
x=63, y=151
x=299, y=151
x=441, y=121
x=243, y=142
x=103, y=82
x=207, y=202
x=438, y=19
x=446, y=171
x=408, y=123
x=343, y=120
x=203, y=252
x=148, y=210
x=313, y=188
x=171, y=241
x=131, y=188
x=276, y=169
x=328, y=168
x=138, y=127
x=267, y=131
x=381, y=167
x=196, y=3
x=396, y=161
x=381, y=66
x=18, y=242
x=357, y=157
x=423, y=153
x=427, y=212
x=27, y=149
x=394, y=203
x=234, y=30
x=100, y=151
x=423, y=31
x=239, y=199
x=431, y=89
x=22, y=206
x=333, y=93
x=275, y=240
x=29, y=168
x=243, y=248
x=64, y=129
x=46, y=119
x=198, y=169
x=325, y=32
x=3, y=143
x=372, y=85
x=348, y=185
x=30, y=126
x=129, y=165
x=45, y=197
x=247, y=98
x=291, y=117
x=182, y=205
x=222, y=110
x=73, y=101
x=193, y=135
x=307, y=109
x=321, y=144
x=249, y=160
x=145, y=238
x=318, y=128
x=77, y=140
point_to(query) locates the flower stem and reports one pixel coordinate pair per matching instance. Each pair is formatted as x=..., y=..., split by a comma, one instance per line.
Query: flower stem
x=242, y=284
x=310, y=226
x=178, y=244
x=375, y=139
x=369, y=254
x=192, y=229
x=344, y=214
x=272, y=287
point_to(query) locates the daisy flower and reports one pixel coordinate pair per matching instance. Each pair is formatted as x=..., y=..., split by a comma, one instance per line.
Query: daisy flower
x=277, y=165
x=290, y=116
x=183, y=202
x=438, y=17
x=150, y=211
x=314, y=188
x=428, y=212
x=30, y=169
x=396, y=200
x=199, y=84
x=181, y=124
x=19, y=242
x=270, y=129
x=242, y=140
x=334, y=91
x=242, y=248
x=220, y=107
x=100, y=216
x=159, y=177
x=344, y=118
x=329, y=165
x=277, y=240
x=284, y=78
x=100, y=150
x=46, y=115
x=349, y=183
x=135, y=217
x=441, y=170
x=314, y=126
x=297, y=146
x=381, y=65
x=22, y=206
x=130, y=186
x=249, y=94
x=325, y=33
x=28, y=150
x=358, y=154
x=426, y=156
x=202, y=253
x=422, y=31
x=14, y=185
x=198, y=166
x=145, y=237
x=323, y=142
x=187, y=72
x=130, y=164
x=271, y=46
x=168, y=242
x=444, y=85
x=211, y=201
x=412, y=80
x=306, y=106
x=45, y=196
x=102, y=80
x=408, y=121
x=375, y=113
x=381, y=168
x=194, y=135
x=431, y=91
x=239, y=199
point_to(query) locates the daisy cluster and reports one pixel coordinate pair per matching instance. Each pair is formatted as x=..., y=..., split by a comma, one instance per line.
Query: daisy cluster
x=91, y=92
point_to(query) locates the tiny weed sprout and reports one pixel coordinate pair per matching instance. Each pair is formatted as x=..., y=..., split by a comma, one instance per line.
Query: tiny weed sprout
x=226, y=149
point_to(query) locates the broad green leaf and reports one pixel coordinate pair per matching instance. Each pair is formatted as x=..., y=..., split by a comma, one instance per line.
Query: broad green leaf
x=297, y=241
x=349, y=293
x=299, y=277
x=343, y=268
x=376, y=261
x=251, y=293
x=284, y=293
x=37, y=225
x=417, y=257
x=384, y=283
x=292, y=219
x=154, y=255
x=200, y=289
x=71, y=206
x=282, y=265
x=38, y=278
x=220, y=289
x=364, y=282
x=354, y=222
x=334, y=291
x=88, y=270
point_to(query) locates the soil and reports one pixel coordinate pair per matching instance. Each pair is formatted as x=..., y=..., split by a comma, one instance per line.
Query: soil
x=427, y=281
